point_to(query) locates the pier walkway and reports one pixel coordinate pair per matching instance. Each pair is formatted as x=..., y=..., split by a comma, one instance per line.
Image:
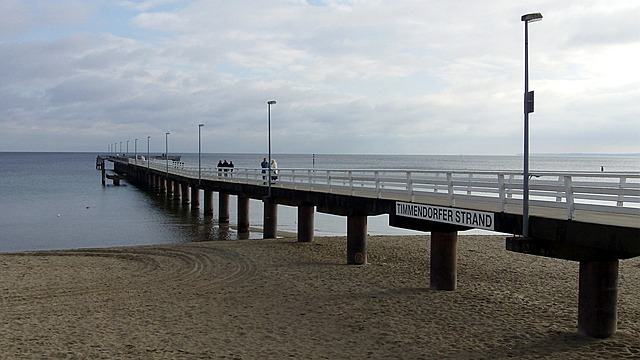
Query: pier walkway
x=592, y=218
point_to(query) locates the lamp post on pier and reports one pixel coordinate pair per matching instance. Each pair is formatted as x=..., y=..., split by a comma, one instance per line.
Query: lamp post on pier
x=127, y=148
x=200, y=154
x=135, y=151
x=528, y=108
x=166, y=152
x=120, y=147
x=269, y=103
x=148, y=159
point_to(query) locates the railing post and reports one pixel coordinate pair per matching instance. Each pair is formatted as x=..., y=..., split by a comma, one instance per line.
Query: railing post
x=560, y=184
x=568, y=189
x=501, y=192
x=350, y=174
x=376, y=175
x=329, y=180
x=410, y=186
x=450, y=188
x=623, y=181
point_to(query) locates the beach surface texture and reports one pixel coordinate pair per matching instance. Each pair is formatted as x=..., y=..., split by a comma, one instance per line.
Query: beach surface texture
x=280, y=299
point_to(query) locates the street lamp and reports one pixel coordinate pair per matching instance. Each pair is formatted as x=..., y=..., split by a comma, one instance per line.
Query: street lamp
x=148, y=159
x=120, y=147
x=135, y=151
x=199, y=153
x=269, y=103
x=127, y=148
x=528, y=108
x=166, y=151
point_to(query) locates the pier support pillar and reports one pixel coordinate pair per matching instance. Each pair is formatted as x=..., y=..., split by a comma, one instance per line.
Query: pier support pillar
x=223, y=208
x=169, y=183
x=598, y=298
x=270, y=219
x=176, y=189
x=208, y=201
x=357, y=239
x=243, y=214
x=155, y=184
x=184, y=190
x=195, y=197
x=163, y=185
x=305, y=223
x=443, y=265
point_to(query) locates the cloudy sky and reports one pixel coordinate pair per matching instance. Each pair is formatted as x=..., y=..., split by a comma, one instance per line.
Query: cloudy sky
x=349, y=76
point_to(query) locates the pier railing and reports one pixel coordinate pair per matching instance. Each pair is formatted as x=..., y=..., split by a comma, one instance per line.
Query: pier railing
x=564, y=192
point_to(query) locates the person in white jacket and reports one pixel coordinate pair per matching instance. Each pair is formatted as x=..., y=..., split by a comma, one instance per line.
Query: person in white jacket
x=274, y=170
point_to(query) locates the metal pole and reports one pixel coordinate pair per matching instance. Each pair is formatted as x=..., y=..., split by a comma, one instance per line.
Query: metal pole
x=127, y=148
x=269, y=103
x=528, y=107
x=525, y=175
x=135, y=151
x=199, y=154
x=166, y=152
x=148, y=160
x=269, y=191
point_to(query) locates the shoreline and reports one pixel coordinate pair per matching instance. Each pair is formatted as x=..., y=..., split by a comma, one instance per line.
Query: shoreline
x=277, y=298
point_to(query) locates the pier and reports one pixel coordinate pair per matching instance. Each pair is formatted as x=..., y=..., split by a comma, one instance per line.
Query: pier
x=591, y=218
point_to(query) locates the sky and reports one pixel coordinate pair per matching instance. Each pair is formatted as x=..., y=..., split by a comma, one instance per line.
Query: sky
x=349, y=76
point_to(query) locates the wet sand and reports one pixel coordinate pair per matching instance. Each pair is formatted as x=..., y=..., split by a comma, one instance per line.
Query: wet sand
x=277, y=299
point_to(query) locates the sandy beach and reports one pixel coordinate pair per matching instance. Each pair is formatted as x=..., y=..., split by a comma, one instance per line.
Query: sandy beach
x=278, y=299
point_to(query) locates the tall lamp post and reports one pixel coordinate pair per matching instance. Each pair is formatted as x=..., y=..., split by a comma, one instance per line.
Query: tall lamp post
x=200, y=153
x=148, y=159
x=166, y=151
x=127, y=148
x=269, y=103
x=528, y=108
x=135, y=151
x=120, y=147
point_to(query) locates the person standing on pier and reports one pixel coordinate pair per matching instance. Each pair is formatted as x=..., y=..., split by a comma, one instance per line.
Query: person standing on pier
x=265, y=165
x=274, y=170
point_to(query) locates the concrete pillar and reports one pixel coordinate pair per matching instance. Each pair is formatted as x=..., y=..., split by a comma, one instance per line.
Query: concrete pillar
x=208, y=201
x=169, y=183
x=184, y=191
x=163, y=184
x=357, y=239
x=243, y=214
x=195, y=197
x=444, y=260
x=176, y=189
x=223, y=208
x=305, y=223
x=598, y=298
x=270, y=219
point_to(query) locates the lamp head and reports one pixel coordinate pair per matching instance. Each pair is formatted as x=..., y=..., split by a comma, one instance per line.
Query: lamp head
x=531, y=17
x=271, y=102
x=200, y=124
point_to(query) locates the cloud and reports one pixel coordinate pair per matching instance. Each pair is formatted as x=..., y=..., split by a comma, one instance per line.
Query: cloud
x=349, y=76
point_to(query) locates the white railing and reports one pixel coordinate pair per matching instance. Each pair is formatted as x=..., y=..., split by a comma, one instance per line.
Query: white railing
x=500, y=191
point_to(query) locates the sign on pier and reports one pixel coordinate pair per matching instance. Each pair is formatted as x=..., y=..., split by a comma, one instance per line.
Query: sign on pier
x=462, y=217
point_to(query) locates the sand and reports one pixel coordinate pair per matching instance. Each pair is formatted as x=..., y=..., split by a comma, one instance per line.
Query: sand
x=280, y=299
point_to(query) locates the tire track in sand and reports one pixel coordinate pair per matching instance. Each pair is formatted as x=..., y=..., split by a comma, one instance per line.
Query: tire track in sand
x=68, y=273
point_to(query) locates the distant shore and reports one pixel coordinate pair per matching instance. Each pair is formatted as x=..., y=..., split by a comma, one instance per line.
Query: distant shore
x=276, y=299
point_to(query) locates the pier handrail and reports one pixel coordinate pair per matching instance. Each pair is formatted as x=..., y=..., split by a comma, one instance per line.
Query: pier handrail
x=568, y=192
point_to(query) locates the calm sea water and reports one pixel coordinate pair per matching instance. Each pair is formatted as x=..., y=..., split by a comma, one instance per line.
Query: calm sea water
x=57, y=201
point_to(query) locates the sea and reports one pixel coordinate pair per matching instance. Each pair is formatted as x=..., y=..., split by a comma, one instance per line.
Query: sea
x=56, y=201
